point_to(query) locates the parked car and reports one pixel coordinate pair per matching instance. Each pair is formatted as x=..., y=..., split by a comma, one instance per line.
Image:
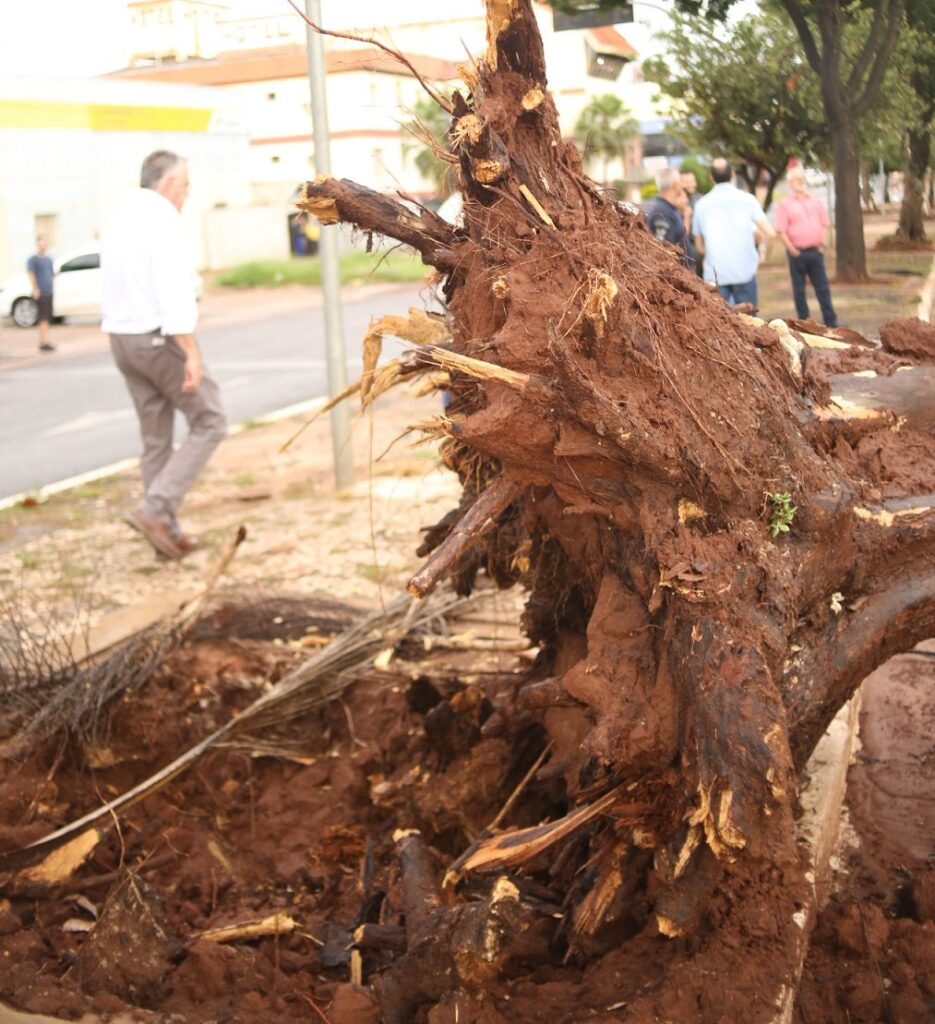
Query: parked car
x=77, y=289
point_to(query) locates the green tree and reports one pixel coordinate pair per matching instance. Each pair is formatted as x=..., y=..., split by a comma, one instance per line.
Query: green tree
x=603, y=128
x=742, y=91
x=850, y=85
x=429, y=128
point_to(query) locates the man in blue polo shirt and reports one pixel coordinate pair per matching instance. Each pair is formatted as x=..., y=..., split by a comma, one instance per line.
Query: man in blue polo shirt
x=724, y=223
x=42, y=278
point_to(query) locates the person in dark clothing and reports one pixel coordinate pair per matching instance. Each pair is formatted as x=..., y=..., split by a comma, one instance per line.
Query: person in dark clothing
x=665, y=214
x=42, y=277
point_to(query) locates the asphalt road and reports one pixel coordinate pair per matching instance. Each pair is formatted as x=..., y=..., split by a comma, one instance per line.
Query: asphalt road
x=72, y=416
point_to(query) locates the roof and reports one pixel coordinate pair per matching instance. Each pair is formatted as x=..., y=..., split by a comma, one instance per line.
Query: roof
x=607, y=39
x=288, y=61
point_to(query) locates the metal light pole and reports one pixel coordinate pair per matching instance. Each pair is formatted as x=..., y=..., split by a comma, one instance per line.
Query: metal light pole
x=328, y=255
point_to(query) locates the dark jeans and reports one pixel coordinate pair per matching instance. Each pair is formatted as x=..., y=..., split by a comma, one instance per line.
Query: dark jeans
x=737, y=293
x=811, y=263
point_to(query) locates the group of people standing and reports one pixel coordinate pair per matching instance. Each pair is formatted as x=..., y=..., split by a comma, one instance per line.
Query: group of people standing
x=723, y=234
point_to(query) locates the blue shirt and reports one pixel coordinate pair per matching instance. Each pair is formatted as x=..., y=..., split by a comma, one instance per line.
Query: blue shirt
x=41, y=268
x=725, y=219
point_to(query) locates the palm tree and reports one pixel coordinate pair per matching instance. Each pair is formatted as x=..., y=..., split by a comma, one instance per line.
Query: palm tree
x=429, y=129
x=603, y=127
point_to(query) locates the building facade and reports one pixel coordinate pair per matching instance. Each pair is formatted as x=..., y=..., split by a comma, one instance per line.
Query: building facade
x=69, y=149
x=260, y=58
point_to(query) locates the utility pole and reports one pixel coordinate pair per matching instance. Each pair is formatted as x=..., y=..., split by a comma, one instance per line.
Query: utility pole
x=328, y=255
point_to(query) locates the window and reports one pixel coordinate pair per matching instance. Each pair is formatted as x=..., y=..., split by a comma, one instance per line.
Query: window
x=91, y=261
x=604, y=65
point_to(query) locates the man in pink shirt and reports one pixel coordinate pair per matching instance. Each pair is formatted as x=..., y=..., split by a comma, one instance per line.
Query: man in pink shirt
x=802, y=224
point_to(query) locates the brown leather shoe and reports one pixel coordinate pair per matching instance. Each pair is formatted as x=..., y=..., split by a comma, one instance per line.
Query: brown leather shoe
x=186, y=544
x=156, y=532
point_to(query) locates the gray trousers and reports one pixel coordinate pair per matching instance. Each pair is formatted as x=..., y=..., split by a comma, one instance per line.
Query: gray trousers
x=153, y=367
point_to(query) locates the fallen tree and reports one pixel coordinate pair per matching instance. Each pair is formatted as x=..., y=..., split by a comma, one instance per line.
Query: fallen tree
x=716, y=553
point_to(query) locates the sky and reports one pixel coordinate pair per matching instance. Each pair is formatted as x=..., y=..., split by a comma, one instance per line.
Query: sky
x=75, y=38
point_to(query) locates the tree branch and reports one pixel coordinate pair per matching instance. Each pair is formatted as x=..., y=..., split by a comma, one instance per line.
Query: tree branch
x=869, y=50
x=875, y=79
x=332, y=200
x=797, y=16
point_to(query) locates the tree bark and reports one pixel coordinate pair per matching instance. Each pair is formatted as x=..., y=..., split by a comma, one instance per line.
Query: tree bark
x=911, y=220
x=849, y=243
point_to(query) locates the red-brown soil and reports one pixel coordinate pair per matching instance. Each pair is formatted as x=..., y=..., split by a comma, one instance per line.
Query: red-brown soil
x=310, y=835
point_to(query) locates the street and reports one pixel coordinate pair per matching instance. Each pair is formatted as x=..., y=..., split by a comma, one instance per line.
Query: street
x=73, y=415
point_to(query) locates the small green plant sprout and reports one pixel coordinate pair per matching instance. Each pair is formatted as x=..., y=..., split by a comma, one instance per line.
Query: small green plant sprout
x=781, y=512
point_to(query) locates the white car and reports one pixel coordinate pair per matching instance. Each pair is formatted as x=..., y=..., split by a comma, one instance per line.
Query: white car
x=77, y=289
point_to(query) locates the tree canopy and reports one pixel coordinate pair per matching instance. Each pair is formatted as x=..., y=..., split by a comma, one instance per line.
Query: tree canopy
x=742, y=91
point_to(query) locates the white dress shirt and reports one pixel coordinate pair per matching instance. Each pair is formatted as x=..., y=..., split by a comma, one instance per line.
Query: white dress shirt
x=147, y=272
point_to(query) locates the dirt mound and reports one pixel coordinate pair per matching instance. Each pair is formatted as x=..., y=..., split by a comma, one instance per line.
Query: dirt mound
x=908, y=336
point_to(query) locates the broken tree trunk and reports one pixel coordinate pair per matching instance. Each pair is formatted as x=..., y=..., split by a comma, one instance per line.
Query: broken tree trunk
x=711, y=564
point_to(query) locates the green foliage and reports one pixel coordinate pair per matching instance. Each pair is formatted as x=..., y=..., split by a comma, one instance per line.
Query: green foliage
x=430, y=122
x=647, y=190
x=702, y=177
x=603, y=127
x=743, y=91
x=781, y=512
x=399, y=265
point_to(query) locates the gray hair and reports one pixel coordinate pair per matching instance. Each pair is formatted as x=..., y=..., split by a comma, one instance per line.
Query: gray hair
x=666, y=177
x=156, y=166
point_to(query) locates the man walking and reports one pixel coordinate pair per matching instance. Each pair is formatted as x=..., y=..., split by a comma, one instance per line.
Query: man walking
x=42, y=279
x=150, y=312
x=666, y=214
x=724, y=223
x=802, y=223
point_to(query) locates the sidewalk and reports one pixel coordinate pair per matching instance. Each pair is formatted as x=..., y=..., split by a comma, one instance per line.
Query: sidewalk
x=302, y=537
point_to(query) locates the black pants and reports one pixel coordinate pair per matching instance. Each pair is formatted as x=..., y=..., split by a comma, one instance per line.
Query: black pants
x=810, y=263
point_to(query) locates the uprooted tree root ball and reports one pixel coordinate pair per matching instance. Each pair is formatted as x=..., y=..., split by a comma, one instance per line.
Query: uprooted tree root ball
x=619, y=432
x=720, y=530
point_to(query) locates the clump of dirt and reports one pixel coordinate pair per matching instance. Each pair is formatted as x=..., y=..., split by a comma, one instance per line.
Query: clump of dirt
x=909, y=336
x=894, y=243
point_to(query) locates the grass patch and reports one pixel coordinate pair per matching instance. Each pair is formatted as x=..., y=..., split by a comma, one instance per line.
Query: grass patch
x=89, y=491
x=245, y=480
x=396, y=266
